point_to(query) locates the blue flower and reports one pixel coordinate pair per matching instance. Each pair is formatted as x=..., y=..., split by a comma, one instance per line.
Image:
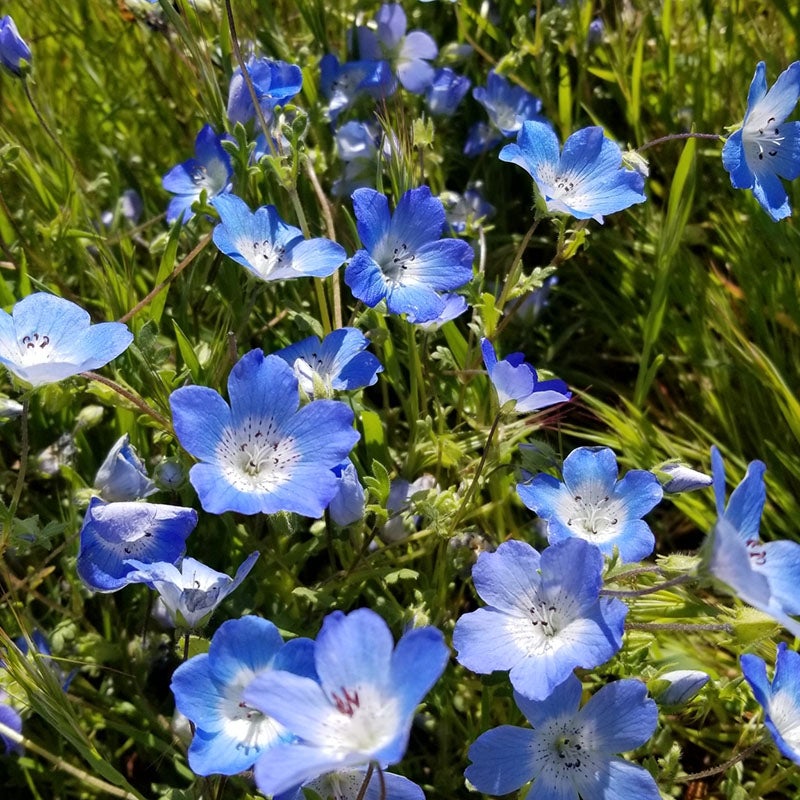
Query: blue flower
x=209, y=689
x=46, y=339
x=545, y=615
x=765, y=575
x=363, y=148
x=780, y=699
x=347, y=505
x=508, y=106
x=15, y=55
x=586, y=180
x=113, y=533
x=400, y=502
x=260, y=454
x=454, y=306
x=269, y=248
x=346, y=785
x=593, y=505
x=481, y=138
x=516, y=381
x=343, y=84
x=406, y=262
x=683, y=685
x=446, y=91
x=337, y=363
x=766, y=147
x=192, y=592
x=570, y=752
x=12, y=720
x=362, y=708
x=470, y=208
x=122, y=475
x=275, y=82
x=677, y=478
x=210, y=172
x=408, y=54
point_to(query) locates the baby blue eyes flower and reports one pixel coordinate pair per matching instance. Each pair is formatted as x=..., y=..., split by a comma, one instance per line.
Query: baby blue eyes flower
x=15, y=55
x=122, y=474
x=210, y=171
x=545, y=615
x=275, y=82
x=360, y=710
x=269, y=248
x=347, y=505
x=343, y=84
x=46, y=339
x=780, y=699
x=593, y=505
x=765, y=575
x=261, y=454
x=192, y=592
x=114, y=533
x=766, y=147
x=408, y=54
x=507, y=104
x=209, y=690
x=682, y=686
x=406, y=262
x=516, y=381
x=446, y=91
x=570, y=752
x=586, y=180
x=337, y=363
x=346, y=785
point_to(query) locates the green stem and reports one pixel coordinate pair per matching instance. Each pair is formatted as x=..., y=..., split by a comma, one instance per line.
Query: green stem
x=741, y=756
x=516, y=265
x=678, y=137
x=88, y=780
x=648, y=590
x=681, y=627
x=131, y=397
x=23, y=465
x=47, y=129
x=474, y=485
x=367, y=778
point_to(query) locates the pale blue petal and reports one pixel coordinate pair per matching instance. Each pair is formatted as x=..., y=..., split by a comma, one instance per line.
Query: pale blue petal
x=506, y=578
x=263, y=393
x=502, y=760
x=372, y=216
x=287, y=765
x=442, y=265
x=747, y=502
x=563, y=702
x=317, y=257
x=781, y=565
x=246, y=643
x=415, y=74
x=419, y=219
x=200, y=417
x=365, y=279
x=734, y=161
x=422, y=303
x=769, y=192
x=616, y=779
x=417, y=664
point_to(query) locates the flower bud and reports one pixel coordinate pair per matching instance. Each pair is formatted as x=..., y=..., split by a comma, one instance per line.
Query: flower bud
x=683, y=685
x=122, y=476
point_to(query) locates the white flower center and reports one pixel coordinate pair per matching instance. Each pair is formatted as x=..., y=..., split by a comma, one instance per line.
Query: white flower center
x=361, y=719
x=395, y=258
x=256, y=457
x=785, y=717
x=35, y=348
x=596, y=517
x=253, y=730
x=762, y=142
x=265, y=257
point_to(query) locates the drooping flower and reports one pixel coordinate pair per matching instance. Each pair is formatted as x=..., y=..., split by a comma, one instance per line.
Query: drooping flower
x=346, y=784
x=260, y=454
x=402, y=495
x=766, y=147
x=347, y=505
x=780, y=698
x=47, y=338
x=122, y=475
x=339, y=362
x=269, y=248
x=516, y=380
x=408, y=54
x=446, y=91
x=15, y=55
x=676, y=477
x=344, y=84
x=362, y=708
x=209, y=689
x=113, y=533
x=765, y=575
x=406, y=262
x=508, y=106
x=570, y=752
x=683, y=685
x=585, y=180
x=210, y=171
x=545, y=615
x=192, y=592
x=275, y=82
x=593, y=505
